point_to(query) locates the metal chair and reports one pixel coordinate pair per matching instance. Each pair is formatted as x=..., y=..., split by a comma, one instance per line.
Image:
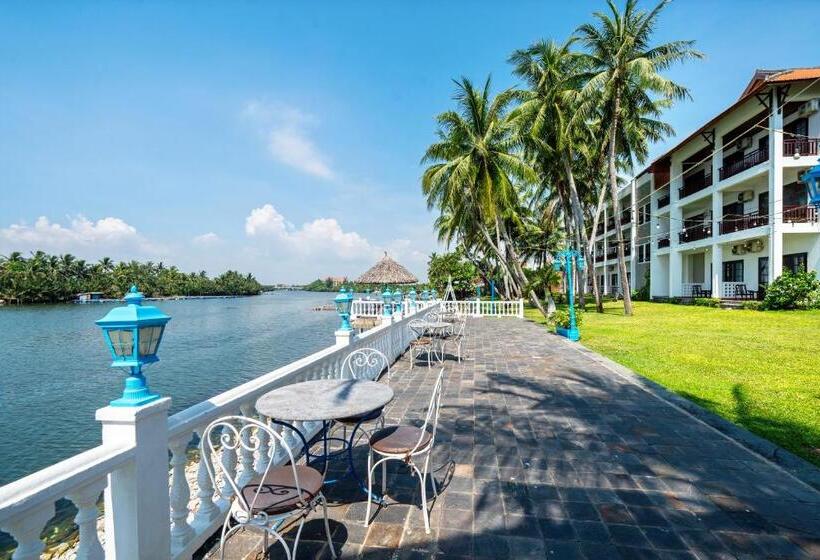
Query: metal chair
x=364, y=363
x=457, y=337
x=420, y=342
x=404, y=443
x=268, y=500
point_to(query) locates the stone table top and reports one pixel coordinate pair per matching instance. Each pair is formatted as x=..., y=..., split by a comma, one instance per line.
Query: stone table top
x=324, y=399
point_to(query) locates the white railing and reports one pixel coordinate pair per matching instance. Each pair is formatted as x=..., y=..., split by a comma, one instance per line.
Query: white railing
x=472, y=307
x=197, y=509
x=729, y=289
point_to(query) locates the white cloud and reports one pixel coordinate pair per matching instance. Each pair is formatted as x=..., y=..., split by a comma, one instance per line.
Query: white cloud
x=80, y=232
x=207, y=239
x=288, y=138
x=322, y=235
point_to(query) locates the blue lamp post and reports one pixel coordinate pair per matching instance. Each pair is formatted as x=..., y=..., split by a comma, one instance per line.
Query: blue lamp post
x=133, y=333
x=398, y=296
x=563, y=260
x=812, y=180
x=425, y=294
x=344, y=301
x=387, y=297
x=434, y=294
x=412, y=295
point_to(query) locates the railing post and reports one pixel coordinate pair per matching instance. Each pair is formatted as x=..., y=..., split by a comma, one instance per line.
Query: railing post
x=345, y=337
x=137, y=509
x=520, y=308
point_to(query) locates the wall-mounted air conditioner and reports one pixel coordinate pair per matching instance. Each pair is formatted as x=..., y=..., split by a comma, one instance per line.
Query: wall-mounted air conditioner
x=743, y=143
x=738, y=249
x=810, y=107
x=745, y=196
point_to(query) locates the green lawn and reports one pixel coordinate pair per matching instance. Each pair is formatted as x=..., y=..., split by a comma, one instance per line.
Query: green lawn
x=758, y=369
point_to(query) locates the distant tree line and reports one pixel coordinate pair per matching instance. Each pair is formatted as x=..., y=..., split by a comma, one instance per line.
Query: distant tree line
x=43, y=278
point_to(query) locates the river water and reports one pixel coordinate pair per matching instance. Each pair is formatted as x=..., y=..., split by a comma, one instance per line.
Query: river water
x=54, y=369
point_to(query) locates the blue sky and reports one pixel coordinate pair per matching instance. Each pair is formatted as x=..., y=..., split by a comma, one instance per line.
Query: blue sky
x=284, y=139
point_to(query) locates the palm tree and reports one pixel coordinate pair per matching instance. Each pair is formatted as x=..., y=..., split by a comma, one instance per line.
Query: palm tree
x=476, y=170
x=624, y=74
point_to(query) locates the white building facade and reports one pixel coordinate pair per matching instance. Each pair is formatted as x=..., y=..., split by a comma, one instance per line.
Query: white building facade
x=724, y=212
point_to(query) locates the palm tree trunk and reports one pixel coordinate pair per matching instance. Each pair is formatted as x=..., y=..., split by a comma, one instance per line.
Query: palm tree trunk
x=599, y=304
x=616, y=210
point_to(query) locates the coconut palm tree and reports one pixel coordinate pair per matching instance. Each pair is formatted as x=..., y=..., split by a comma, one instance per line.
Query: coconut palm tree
x=624, y=75
x=476, y=170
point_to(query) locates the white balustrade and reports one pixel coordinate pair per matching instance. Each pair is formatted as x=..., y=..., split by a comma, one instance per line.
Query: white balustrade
x=181, y=531
x=85, y=500
x=730, y=289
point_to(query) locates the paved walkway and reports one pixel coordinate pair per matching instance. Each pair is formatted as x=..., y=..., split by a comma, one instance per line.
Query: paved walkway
x=544, y=452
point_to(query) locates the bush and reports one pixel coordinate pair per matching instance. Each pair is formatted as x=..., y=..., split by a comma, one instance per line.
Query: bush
x=561, y=318
x=753, y=305
x=705, y=302
x=643, y=293
x=675, y=300
x=792, y=291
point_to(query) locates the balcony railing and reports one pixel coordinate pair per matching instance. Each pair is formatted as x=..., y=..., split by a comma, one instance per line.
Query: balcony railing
x=799, y=214
x=694, y=183
x=663, y=242
x=733, y=223
x=695, y=233
x=749, y=160
x=800, y=146
x=663, y=200
x=626, y=216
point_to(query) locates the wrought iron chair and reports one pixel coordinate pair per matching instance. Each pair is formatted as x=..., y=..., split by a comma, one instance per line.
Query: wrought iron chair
x=457, y=336
x=268, y=500
x=405, y=443
x=364, y=363
x=421, y=342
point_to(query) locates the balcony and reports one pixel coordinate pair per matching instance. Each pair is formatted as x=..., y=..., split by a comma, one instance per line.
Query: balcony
x=600, y=229
x=663, y=242
x=749, y=160
x=626, y=216
x=695, y=182
x=733, y=223
x=799, y=214
x=800, y=147
x=663, y=201
x=695, y=233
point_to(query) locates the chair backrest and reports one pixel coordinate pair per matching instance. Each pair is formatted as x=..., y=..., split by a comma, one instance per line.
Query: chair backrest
x=242, y=433
x=365, y=363
x=459, y=328
x=417, y=327
x=431, y=418
x=432, y=317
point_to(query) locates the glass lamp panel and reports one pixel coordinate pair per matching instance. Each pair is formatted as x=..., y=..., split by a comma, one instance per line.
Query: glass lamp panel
x=122, y=342
x=149, y=340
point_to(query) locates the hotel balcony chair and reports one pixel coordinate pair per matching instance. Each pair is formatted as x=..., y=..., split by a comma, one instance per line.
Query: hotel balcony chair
x=407, y=444
x=456, y=338
x=698, y=292
x=421, y=342
x=267, y=501
x=368, y=364
x=742, y=292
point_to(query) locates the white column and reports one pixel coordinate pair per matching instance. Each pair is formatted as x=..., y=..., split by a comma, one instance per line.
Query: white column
x=137, y=510
x=717, y=270
x=345, y=337
x=775, y=191
x=675, y=225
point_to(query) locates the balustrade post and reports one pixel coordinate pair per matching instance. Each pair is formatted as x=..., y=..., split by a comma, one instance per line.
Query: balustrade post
x=137, y=507
x=181, y=531
x=208, y=510
x=26, y=529
x=246, y=454
x=345, y=337
x=85, y=500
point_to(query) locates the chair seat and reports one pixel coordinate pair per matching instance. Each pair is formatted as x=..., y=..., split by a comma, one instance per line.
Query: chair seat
x=397, y=440
x=423, y=341
x=278, y=494
x=366, y=417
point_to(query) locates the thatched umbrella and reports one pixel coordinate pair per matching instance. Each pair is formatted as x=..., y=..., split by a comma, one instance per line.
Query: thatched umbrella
x=387, y=271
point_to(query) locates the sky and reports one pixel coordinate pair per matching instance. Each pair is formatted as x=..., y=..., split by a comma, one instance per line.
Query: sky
x=285, y=138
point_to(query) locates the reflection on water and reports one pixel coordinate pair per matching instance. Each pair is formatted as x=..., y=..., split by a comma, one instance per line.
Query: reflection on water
x=54, y=366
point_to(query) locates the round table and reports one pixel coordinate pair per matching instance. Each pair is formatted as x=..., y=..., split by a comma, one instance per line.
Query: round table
x=326, y=400
x=436, y=329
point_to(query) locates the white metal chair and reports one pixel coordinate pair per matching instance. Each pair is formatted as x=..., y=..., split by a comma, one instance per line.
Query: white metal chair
x=421, y=342
x=268, y=500
x=364, y=363
x=404, y=443
x=457, y=337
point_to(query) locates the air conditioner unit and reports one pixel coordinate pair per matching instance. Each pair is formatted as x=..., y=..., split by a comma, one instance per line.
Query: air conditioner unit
x=745, y=196
x=754, y=246
x=738, y=250
x=809, y=107
x=743, y=143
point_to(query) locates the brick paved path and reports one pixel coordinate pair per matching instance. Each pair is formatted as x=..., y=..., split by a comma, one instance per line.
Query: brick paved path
x=545, y=453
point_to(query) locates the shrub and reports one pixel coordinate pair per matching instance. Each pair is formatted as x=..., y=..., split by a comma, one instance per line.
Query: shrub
x=792, y=291
x=643, y=293
x=705, y=302
x=753, y=305
x=675, y=300
x=561, y=317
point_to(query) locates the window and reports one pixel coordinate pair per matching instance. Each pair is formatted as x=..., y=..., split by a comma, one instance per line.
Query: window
x=643, y=253
x=733, y=271
x=794, y=194
x=644, y=213
x=795, y=262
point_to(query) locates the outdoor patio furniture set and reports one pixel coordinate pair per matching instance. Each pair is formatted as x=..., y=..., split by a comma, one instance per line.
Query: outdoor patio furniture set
x=296, y=469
